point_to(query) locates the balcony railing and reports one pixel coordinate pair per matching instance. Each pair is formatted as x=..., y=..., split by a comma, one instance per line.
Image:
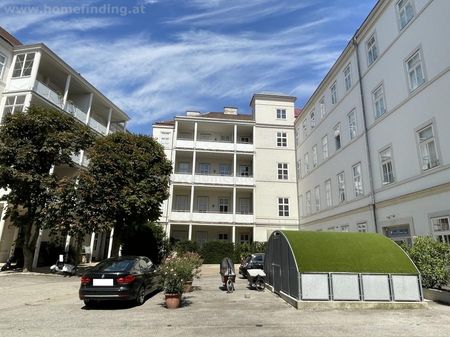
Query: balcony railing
x=97, y=126
x=76, y=112
x=48, y=93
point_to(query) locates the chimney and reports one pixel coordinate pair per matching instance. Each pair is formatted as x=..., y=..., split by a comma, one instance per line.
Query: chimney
x=192, y=113
x=229, y=110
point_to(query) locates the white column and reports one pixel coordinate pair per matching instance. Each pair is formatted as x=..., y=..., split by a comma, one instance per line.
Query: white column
x=125, y=125
x=195, y=133
x=194, y=162
x=37, y=249
x=234, y=204
x=66, y=91
x=191, y=207
x=168, y=230
x=111, y=237
x=235, y=136
x=175, y=135
x=34, y=71
x=67, y=245
x=108, y=126
x=88, y=114
x=233, y=234
x=92, y=246
x=254, y=232
x=190, y=232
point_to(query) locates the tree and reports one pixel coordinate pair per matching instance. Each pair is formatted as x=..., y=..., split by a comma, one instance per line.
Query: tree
x=31, y=144
x=124, y=186
x=432, y=258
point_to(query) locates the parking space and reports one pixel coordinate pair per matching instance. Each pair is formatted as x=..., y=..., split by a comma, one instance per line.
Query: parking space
x=47, y=305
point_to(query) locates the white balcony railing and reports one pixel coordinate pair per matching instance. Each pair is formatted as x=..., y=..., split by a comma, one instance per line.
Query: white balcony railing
x=182, y=178
x=244, y=218
x=213, y=179
x=185, y=143
x=97, y=126
x=247, y=181
x=48, y=93
x=213, y=145
x=245, y=147
x=180, y=215
x=212, y=217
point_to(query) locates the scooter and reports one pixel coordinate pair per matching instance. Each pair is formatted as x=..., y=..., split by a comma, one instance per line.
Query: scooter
x=62, y=267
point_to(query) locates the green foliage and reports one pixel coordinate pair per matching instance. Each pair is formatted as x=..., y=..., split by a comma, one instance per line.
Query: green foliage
x=432, y=258
x=348, y=252
x=182, y=247
x=31, y=143
x=241, y=250
x=216, y=251
x=146, y=240
x=124, y=186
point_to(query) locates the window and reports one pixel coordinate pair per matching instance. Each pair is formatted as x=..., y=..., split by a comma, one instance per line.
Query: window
x=223, y=205
x=299, y=168
x=317, y=198
x=325, y=147
x=244, y=206
x=372, y=50
x=306, y=162
x=2, y=64
x=202, y=204
x=400, y=233
x=345, y=228
x=308, y=203
x=328, y=195
x=312, y=119
x=415, y=71
x=427, y=147
x=348, y=77
x=305, y=129
x=362, y=227
x=357, y=180
x=181, y=203
x=24, y=64
x=352, y=124
x=387, y=168
x=222, y=236
x=184, y=168
x=337, y=136
x=244, y=170
x=225, y=169
x=281, y=139
x=244, y=238
x=281, y=113
x=165, y=139
x=13, y=104
x=405, y=12
x=341, y=186
x=322, y=107
x=244, y=139
x=204, y=168
x=333, y=91
x=282, y=171
x=314, y=154
x=283, y=206
x=378, y=102
x=441, y=229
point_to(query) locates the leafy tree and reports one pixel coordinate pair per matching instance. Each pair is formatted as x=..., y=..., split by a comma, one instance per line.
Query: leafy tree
x=124, y=186
x=31, y=143
x=432, y=258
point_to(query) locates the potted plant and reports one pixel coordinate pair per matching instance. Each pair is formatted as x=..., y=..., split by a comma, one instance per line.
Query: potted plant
x=171, y=280
x=190, y=269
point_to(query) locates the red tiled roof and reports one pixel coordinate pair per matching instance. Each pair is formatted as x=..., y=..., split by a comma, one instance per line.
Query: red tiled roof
x=9, y=38
x=297, y=112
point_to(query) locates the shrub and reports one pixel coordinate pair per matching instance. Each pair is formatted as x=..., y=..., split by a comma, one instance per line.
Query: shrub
x=216, y=251
x=432, y=259
x=183, y=247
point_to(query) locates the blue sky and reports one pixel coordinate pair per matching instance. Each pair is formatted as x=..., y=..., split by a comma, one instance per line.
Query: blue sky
x=159, y=58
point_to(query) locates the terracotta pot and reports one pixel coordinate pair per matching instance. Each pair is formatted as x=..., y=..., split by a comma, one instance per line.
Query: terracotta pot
x=187, y=287
x=173, y=301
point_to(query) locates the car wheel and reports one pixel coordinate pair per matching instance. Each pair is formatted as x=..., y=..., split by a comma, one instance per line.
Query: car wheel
x=140, y=298
x=260, y=284
x=89, y=303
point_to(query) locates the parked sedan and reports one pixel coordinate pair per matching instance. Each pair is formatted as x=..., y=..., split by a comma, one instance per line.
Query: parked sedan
x=119, y=278
x=253, y=261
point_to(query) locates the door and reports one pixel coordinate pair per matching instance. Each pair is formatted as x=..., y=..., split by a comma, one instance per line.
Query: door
x=244, y=206
x=201, y=238
x=181, y=203
x=204, y=168
x=223, y=205
x=202, y=204
x=224, y=169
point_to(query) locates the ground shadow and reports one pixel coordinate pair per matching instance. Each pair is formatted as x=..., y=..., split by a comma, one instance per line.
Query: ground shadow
x=185, y=302
x=116, y=305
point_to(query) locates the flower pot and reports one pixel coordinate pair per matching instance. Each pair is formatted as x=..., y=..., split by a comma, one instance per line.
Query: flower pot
x=187, y=287
x=173, y=301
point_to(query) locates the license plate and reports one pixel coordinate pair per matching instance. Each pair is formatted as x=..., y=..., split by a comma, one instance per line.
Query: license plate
x=103, y=282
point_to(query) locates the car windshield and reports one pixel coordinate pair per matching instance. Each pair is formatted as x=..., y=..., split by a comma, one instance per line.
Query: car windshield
x=115, y=265
x=259, y=257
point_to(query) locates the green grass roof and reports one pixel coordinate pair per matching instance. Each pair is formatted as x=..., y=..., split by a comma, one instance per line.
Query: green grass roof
x=348, y=252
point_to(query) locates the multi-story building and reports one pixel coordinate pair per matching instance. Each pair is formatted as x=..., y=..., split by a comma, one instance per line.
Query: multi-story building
x=234, y=174
x=35, y=75
x=373, y=149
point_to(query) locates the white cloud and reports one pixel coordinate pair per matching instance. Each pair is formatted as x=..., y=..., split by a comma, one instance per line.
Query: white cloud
x=78, y=24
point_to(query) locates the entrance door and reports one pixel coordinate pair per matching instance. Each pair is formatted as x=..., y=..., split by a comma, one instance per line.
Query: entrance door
x=202, y=204
x=201, y=238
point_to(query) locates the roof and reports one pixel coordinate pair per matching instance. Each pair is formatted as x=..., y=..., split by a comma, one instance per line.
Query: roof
x=221, y=115
x=266, y=95
x=171, y=123
x=297, y=112
x=9, y=38
x=348, y=252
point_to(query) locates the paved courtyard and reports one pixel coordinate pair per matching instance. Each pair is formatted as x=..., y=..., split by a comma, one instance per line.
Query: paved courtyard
x=47, y=305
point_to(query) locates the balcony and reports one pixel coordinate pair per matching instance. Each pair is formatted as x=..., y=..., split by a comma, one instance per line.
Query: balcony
x=183, y=178
x=244, y=218
x=214, y=145
x=212, y=217
x=49, y=94
x=213, y=179
x=245, y=181
x=180, y=215
x=185, y=143
x=97, y=126
x=245, y=147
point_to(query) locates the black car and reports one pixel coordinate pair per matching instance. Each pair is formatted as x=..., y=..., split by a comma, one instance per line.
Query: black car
x=253, y=261
x=119, y=278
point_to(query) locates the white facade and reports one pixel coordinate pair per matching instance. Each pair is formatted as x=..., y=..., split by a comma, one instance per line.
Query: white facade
x=34, y=75
x=234, y=175
x=393, y=115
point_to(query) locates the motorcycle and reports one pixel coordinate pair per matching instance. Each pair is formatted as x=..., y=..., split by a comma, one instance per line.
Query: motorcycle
x=62, y=267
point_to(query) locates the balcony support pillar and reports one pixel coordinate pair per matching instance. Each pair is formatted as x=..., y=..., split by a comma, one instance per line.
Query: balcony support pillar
x=195, y=134
x=88, y=114
x=34, y=71
x=234, y=204
x=233, y=234
x=66, y=91
x=191, y=206
x=190, y=232
x=108, y=126
x=194, y=160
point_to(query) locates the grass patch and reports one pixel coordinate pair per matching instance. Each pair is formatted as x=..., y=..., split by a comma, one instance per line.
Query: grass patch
x=348, y=252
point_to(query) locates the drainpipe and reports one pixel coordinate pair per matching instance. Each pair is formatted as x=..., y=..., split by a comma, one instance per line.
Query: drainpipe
x=366, y=137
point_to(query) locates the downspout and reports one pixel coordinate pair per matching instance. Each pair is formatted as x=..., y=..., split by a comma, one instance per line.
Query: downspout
x=366, y=137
